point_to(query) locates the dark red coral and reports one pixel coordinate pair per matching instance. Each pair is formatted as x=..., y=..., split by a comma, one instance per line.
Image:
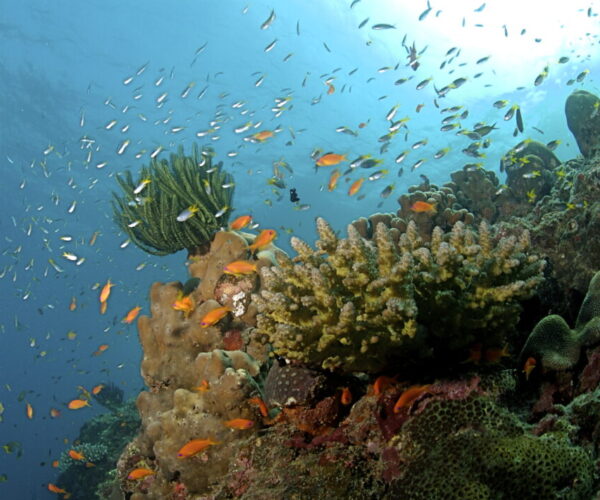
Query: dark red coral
x=233, y=340
x=590, y=375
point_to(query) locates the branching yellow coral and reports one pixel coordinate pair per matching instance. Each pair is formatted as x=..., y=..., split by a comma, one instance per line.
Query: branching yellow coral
x=366, y=305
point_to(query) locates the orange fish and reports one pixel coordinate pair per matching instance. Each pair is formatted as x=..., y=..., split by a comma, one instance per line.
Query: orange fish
x=55, y=463
x=355, y=186
x=140, y=473
x=241, y=222
x=184, y=304
x=265, y=237
x=77, y=404
x=89, y=465
x=55, y=489
x=410, y=395
x=363, y=124
x=330, y=159
x=330, y=89
x=214, y=316
x=422, y=207
x=76, y=455
x=97, y=389
x=103, y=306
x=529, y=366
x=100, y=350
x=195, y=446
x=131, y=315
x=29, y=411
x=105, y=292
x=382, y=383
x=496, y=354
x=346, y=398
x=240, y=267
x=203, y=387
x=54, y=413
x=239, y=423
x=93, y=238
x=264, y=410
x=474, y=354
x=263, y=135
x=333, y=179
x=73, y=304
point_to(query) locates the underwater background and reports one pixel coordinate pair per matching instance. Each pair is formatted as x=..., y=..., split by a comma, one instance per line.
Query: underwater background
x=93, y=89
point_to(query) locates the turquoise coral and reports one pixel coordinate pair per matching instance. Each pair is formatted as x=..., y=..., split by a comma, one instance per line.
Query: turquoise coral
x=149, y=218
x=356, y=305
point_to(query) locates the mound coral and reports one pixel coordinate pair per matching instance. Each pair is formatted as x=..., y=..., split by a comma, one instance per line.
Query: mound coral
x=355, y=305
x=149, y=208
x=583, y=120
x=555, y=345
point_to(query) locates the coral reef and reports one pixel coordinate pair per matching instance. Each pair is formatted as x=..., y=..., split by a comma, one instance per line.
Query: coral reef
x=554, y=345
x=150, y=208
x=357, y=305
x=100, y=440
x=583, y=121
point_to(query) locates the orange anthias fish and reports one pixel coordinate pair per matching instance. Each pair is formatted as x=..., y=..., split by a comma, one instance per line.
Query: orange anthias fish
x=346, y=398
x=330, y=89
x=54, y=413
x=410, y=395
x=100, y=350
x=241, y=222
x=262, y=406
x=382, y=383
x=76, y=455
x=265, y=237
x=73, y=304
x=330, y=159
x=77, y=404
x=333, y=179
x=184, y=304
x=55, y=489
x=203, y=387
x=105, y=292
x=496, y=354
x=97, y=389
x=195, y=446
x=131, y=315
x=140, y=473
x=529, y=366
x=29, y=411
x=422, y=207
x=263, y=135
x=355, y=186
x=240, y=267
x=214, y=316
x=239, y=423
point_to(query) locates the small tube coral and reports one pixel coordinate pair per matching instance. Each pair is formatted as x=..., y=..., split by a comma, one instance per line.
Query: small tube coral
x=363, y=305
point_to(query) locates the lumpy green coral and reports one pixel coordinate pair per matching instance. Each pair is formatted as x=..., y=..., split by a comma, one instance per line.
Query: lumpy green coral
x=357, y=305
x=149, y=216
x=556, y=345
x=474, y=449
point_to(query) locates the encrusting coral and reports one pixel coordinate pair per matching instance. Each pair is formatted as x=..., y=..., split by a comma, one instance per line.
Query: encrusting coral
x=355, y=305
x=150, y=216
x=554, y=345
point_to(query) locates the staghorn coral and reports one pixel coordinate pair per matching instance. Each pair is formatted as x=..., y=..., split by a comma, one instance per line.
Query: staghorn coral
x=554, y=345
x=358, y=305
x=150, y=217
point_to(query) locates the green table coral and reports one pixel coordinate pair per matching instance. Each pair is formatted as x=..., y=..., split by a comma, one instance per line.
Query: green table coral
x=148, y=210
x=357, y=305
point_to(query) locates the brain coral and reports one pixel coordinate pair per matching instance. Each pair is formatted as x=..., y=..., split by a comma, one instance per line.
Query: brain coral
x=359, y=305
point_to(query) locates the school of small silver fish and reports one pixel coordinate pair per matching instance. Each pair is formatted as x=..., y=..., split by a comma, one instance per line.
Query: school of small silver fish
x=256, y=120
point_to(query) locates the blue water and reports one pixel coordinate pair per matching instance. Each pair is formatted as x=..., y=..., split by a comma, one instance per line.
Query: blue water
x=63, y=70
